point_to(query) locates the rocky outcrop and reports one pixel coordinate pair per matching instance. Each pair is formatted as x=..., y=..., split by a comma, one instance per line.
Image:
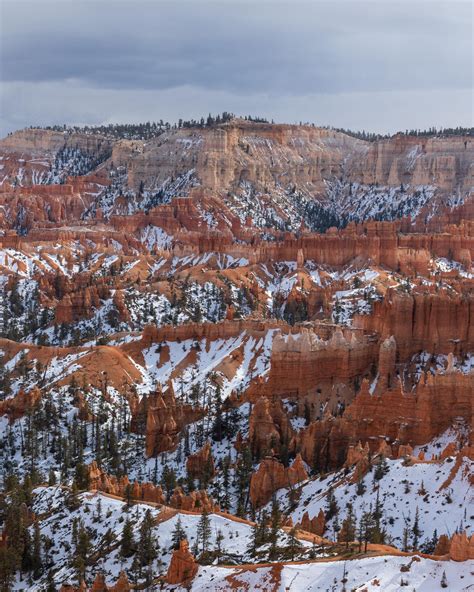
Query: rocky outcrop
x=268, y=427
x=418, y=161
x=194, y=501
x=17, y=406
x=183, y=566
x=404, y=418
x=100, y=585
x=316, y=525
x=164, y=420
x=271, y=475
x=301, y=364
x=423, y=321
x=201, y=463
x=122, y=487
x=461, y=547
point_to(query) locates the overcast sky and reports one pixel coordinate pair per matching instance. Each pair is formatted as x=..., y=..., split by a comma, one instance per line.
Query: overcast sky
x=378, y=65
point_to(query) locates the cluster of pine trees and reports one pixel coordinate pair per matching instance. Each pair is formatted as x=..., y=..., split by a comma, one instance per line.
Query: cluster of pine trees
x=148, y=130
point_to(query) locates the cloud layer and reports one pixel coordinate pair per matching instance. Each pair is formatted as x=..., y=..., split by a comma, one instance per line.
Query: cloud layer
x=379, y=65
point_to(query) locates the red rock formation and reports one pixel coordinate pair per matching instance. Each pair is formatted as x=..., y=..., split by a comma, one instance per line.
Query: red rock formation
x=268, y=427
x=299, y=365
x=164, y=420
x=201, y=463
x=271, y=475
x=195, y=501
x=387, y=359
x=406, y=418
x=20, y=404
x=100, y=585
x=434, y=322
x=316, y=525
x=358, y=456
x=442, y=546
x=461, y=547
x=122, y=487
x=183, y=566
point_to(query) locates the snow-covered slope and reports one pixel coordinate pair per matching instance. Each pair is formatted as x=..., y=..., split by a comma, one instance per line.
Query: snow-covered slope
x=374, y=574
x=439, y=490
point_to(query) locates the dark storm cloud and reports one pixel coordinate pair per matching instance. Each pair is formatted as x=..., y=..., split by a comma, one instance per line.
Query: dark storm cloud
x=287, y=50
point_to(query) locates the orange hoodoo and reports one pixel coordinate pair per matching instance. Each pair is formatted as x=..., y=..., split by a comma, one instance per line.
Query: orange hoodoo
x=183, y=566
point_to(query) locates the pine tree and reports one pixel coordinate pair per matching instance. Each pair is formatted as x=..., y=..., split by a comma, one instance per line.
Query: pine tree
x=51, y=478
x=254, y=540
x=332, y=507
x=405, y=537
x=444, y=580
x=36, y=562
x=8, y=565
x=219, y=548
x=178, y=534
x=367, y=525
x=147, y=546
x=243, y=472
x=204, y=531
x=381, y=469
x=72, y=501
x=127, y=542
x=347, y=532
x=360, y=489
x=50, y=585
x=294, y=545
x=416, y=530
x=275, y=521
x=83, y=549
x=378, y=533
x=430, y=544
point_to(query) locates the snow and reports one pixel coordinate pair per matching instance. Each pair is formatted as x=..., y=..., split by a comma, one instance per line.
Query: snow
x=372, y=574
x=103, y=516
x=403, y=489
x=155, y=237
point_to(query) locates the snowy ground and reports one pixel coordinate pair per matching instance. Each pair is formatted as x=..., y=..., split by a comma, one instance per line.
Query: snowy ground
x=374, y=574
x=401, y=491
x=104, y=518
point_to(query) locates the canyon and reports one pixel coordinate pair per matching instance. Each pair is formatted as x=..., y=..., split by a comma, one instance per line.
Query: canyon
x=263, y=327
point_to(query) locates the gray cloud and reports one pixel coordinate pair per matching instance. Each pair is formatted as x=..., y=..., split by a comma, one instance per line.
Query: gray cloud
x=294, y=53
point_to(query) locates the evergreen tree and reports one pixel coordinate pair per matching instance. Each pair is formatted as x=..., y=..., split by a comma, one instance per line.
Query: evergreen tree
x=8, y=566
x=50, y=585
x=430, y=544
x=219, y=548
x=178, y=534
x=294, y=545
x=36, y=562
x=381, y=469
x=332, y=507
x=444, y=580
x=204, y=531
x=72, y=500
x=347, y=532
x=367, y=526
x=275, y=521
x=83, y=549
x=51, y=478
x=254, y=540
x=147, y=546
x=127, y=541
x=416, y=530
